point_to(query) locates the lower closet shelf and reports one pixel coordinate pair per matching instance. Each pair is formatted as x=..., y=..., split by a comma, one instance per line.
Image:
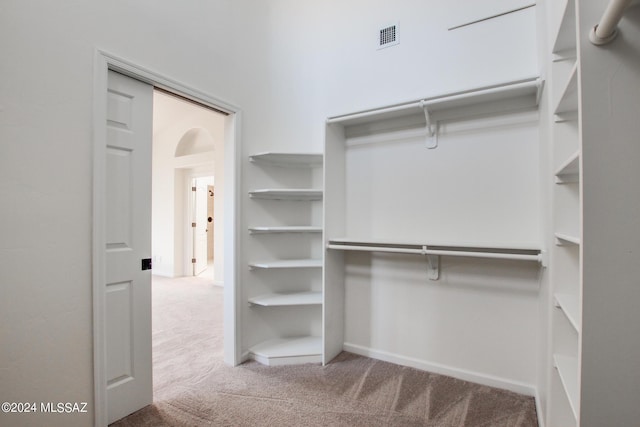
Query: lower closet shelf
x=287, y=351
x=288, y=299
x=570, y=307
x=568, y=370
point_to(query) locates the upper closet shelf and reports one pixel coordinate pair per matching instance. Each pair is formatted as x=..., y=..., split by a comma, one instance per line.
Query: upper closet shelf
x=566, y=239
x=515, y=252
x=565, y=43
x=287, y=194
x=530, y=88
x=288, y=159
x=288, y=263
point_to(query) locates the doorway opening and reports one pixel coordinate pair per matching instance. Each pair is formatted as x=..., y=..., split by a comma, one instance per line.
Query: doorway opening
x=188, y=154
x=187, y=167
x=202, y=226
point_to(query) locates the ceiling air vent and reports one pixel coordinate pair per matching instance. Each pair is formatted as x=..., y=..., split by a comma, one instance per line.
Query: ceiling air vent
x=388, y=36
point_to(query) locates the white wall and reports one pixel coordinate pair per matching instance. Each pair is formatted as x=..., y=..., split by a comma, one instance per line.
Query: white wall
x=175, y=119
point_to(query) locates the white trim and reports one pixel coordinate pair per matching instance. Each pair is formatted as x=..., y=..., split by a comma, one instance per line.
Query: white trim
x=540, y=416
x=100, y=74
x=462, y=374
x=104, y=61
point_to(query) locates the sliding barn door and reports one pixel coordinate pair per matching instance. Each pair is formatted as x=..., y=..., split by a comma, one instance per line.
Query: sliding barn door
x=128, y=248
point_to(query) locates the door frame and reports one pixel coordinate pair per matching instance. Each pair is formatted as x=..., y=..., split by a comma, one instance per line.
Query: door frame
x=103, y=62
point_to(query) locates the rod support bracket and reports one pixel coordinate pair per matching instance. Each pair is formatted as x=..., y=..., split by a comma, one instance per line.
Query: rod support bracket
x=432, y=129
x=433, y=265
x=600, y=41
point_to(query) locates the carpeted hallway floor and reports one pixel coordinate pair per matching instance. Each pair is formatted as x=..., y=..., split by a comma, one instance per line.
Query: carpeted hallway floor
x=193, y=386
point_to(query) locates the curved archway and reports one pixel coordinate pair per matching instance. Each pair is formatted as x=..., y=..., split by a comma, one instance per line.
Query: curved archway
x=194, y=141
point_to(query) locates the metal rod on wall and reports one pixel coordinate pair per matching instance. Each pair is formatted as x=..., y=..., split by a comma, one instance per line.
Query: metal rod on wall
x=606, y=30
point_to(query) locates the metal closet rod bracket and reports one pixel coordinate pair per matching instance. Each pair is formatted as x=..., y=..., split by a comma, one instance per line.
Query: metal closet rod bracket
x=432, y=130
x=433, y=264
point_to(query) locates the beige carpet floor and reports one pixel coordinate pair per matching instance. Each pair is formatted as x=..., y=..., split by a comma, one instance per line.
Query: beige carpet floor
x=193, y=386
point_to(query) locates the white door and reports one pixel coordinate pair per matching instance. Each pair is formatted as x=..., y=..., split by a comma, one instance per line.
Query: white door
x=200, y=229
x=128, y=231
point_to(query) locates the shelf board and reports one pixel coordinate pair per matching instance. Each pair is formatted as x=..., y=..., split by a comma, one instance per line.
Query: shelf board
x=289, y=263
x=570, y=307
x=569, y=171
x=529, y=89
x=419, y=243
x=565, y=40
x=565, y=239
x=566, y=117
x=286, y=229
x=569, y=98
x=288, y=159
x=568, y=370
x=283, y=351
x=287, y=194
x=288, y=299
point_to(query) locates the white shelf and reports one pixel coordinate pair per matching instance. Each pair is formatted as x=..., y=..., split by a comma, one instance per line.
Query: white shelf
x=285, y=351
x=568, y=370
x=288, y=159
x=287, y=194
x=288, y=299
x=528, y=254
x=289, y=263
x=570, y=307
x=529, y=89
x=565, y=41
x=569, y=97
x=569, y=171
x=286, y=229
x=565, y=239
x=419, y=243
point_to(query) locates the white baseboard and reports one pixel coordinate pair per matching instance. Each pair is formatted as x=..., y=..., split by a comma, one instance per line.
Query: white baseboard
x=462, y=374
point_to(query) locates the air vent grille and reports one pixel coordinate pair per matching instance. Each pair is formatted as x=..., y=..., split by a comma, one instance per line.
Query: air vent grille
x=388, y=36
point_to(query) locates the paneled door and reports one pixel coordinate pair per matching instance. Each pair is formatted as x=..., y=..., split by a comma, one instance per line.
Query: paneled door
x=128, y=247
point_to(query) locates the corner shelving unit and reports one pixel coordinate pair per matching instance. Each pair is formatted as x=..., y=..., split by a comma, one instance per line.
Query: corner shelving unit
x=566, y=260
x=281, y=302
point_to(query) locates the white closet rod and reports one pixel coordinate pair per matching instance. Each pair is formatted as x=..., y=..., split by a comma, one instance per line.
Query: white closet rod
x=426, y=251
x=606, y=30
x=429, y=102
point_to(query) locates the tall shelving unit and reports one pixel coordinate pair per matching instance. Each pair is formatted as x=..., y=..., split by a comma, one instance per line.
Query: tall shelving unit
x=293, y=300
x=566, y=254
